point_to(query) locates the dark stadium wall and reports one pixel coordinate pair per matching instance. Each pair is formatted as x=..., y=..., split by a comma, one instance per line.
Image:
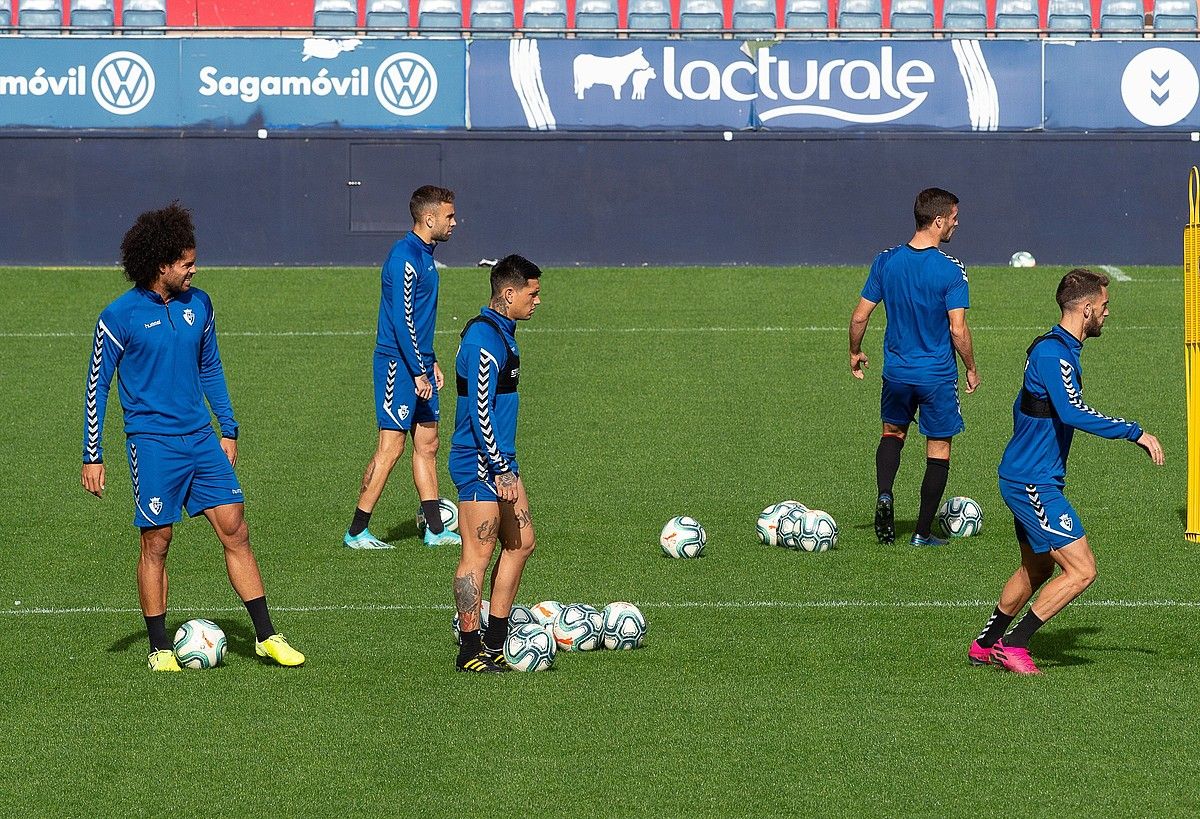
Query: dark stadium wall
x=632, y=200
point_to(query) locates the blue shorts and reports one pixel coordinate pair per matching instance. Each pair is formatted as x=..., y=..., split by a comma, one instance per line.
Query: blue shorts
x=471, y=476
x=396, y=404
x=940, y=414
x=174, y=471
x=1043, y=516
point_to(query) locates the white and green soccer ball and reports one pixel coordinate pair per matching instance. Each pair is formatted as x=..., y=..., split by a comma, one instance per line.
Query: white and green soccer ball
x=683, y=537
x=200, y=643
x=530, y=647
x=519, y=615
x=960, y=517
x=768, y=521
x=579, y=627
x=449, y=516
x=807, y=531
x=624, y=626
x=485, y=609
x=1022, y=258
x=546, y=612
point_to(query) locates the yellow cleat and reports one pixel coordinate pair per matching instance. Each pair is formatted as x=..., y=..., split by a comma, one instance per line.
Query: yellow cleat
x=276, y=647
x=163, y=660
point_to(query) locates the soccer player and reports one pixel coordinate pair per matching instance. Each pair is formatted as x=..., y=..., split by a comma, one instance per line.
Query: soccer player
x=407, y=375
x=924, y=292
x=161, y=337
x=1048, y=410
x=492, y=502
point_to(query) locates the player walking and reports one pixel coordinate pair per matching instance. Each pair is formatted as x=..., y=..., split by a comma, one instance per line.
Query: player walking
x=407, y=375
x=161, y=336
x=924, y=292
x=483, y=463
x=1033, y=471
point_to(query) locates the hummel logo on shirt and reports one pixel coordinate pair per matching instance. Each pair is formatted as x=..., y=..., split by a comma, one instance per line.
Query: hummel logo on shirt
x=154, y=324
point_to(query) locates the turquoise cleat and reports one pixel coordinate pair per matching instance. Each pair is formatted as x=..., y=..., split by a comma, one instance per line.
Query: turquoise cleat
x=364, y=540
x=446, y=538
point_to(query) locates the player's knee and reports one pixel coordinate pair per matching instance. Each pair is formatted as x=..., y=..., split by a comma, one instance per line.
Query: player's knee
x=426, y=449
x=156, y=543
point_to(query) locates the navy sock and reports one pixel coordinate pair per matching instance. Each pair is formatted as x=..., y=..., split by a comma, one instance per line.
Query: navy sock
x=260, y=617
x=933, y=486
x=359, y=524
x=156, y=630
x=994, y=629
x=887, y=462
x=1019, y=636
x=433, y=516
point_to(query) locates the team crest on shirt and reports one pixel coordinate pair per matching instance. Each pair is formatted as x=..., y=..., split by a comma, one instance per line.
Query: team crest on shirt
x=156, y=505
x=1065, y=522
x=403, y=410
x=189, y=315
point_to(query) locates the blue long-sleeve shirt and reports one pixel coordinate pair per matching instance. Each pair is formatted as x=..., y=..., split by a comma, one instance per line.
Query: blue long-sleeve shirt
x=167, y=363
x=1038, y=450
x=487, y=369
x=408, y=305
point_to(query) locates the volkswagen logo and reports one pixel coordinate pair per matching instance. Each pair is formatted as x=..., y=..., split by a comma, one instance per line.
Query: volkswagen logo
x=123, y=83
x=406, y=84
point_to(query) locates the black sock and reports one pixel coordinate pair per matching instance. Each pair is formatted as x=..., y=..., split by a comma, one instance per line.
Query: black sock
x=261, y=618
x=156, y=630
x=361, y=519
x=471, y=644
x=887, y=462
x=1019, y=636
x=933, y=486
x=496, y=633
x=433, y=516
x=994, y=629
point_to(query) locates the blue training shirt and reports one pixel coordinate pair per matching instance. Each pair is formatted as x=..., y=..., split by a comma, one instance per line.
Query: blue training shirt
x=167, y=362
x=487, y=369
x=1038, y=450
x=917, y=288
x=408, y=305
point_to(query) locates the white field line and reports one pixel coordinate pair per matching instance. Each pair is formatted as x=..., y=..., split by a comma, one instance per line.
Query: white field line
x=1115, y=272
x=676, y=604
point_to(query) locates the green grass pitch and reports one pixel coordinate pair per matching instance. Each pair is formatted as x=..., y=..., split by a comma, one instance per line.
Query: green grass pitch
x=771, y=683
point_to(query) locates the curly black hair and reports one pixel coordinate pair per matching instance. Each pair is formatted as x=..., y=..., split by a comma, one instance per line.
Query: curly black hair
x=157, y=238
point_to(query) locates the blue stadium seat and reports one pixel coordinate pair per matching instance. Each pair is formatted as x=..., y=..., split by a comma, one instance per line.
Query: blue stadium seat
x=1174, y=19
x=751, y=16
x=1116, y=15
x=1016, y=14
x=435, y=16
x=601, y=14
x=491, y=19
x=97, y=14
x=805, y=15
x=5, y=13
x=912, y=17
x=142, y=13
x=387, y=14
x=968, y=16
x=649, y=14
x=859, y=14
x=546, y=18
x=701, y=19
x=335, y=14
x=1070, y=18
x=40, y=14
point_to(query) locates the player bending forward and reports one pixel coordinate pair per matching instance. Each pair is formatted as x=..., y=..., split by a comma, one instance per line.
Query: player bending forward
x=492, y=502
x=161, y=335
x=1033, y=470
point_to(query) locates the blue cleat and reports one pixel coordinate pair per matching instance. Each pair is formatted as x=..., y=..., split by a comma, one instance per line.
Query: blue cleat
x=928, y=540
x=364, y=540
x=445, y=538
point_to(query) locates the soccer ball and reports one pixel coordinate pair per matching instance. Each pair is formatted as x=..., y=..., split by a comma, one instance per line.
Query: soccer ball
x=1022, y=258
x=449, y=516
x=579, y=627
x=807, y=531
x=960, y=517
x=624, y=626
x=200, y=643
x=519, y=616
x=768, y=521
x=484, y=610
x=546, y=612
x=530, y=647
x=683, y=537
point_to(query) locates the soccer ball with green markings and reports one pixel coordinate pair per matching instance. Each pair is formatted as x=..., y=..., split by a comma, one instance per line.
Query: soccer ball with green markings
x=683, y=537
x=960, y=517
x=546, y=612
x=200, y=643
x=449, y=516
x=519, y=615
x=579, y=627
x=807, y=530
x=624, y=626
x=768, y=521
x=530, y=647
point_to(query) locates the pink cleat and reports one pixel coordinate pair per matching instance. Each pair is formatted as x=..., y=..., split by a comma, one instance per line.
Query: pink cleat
x=978, y=655
x=1016, y=660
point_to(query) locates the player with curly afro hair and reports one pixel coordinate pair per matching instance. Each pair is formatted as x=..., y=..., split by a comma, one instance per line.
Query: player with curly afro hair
x=158, y=239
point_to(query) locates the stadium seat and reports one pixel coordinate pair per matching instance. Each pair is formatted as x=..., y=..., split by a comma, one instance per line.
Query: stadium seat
x=5, y=14
x=335, y=14
x=139, y=13
x=1016, y=14
x=751, y=16
x=968, y=16
x=546, y=18
x=649, y=14
x=912, y=17
x=492, y=19
x=435, y=16
x=601, y=14
x=387, y=14
x=701, y=19
x=97, y=14
x=800, y=17
x=39, y=14
x=1070, y=18
x=1174, y=18
x=859, y=14
x=1122, y=15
